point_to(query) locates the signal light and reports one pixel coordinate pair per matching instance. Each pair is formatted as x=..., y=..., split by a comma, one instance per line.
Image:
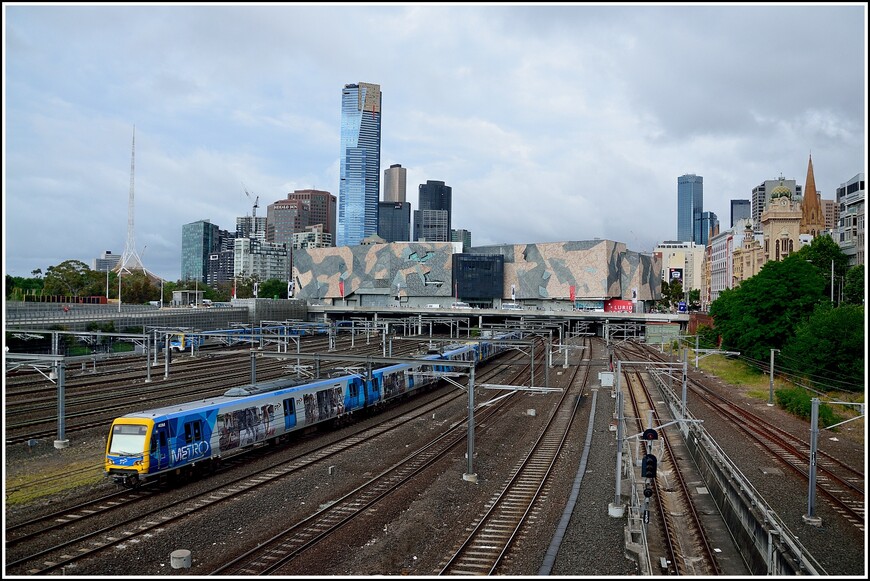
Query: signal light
x=648, y=466
x=650, y=434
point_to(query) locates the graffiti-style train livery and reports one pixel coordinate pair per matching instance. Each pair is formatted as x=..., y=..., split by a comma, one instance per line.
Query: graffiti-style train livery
x=174, y=439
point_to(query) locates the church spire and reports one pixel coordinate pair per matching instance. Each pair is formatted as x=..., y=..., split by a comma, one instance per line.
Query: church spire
x=812, y=219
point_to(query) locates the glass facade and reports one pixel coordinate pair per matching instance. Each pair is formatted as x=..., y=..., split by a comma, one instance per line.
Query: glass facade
x=690, y=205
x=432, y=221
x=360, y=163
x=198, y=240
x=394, y=221
x=740, y=210
x=478, y=278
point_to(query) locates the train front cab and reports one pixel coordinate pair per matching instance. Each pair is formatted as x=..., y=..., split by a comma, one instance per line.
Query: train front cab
x=135, y=449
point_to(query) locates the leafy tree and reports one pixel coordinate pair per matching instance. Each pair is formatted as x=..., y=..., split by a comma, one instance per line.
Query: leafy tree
x=137, y=288
x=828, y=349
x=274, y=288
x=17, y=287
x=672, y=293
x=70, y=277
x=764, y=311
x=853, y=290
x=822, y=252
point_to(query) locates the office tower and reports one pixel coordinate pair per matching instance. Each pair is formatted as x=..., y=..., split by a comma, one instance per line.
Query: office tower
x=395, y=180
x=394, y=221
x=690, y=205
x=198, y=240
x=740, y=210
x=284, y=218
x=360, y=163
x=812, y=220
x=106, y=262
x=709, y=227
x=461, y=235
x=432, y=220
x=761, y=197
x=321, y=209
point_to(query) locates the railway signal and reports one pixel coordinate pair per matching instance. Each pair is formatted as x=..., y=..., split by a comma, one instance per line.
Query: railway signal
x=648, y=466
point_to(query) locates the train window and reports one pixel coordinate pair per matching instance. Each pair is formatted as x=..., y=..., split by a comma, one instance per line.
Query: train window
x=153, y=443
x=162, y=439
x=188, y=436
x=354, y=390
x=289, y=407
x=197, y=432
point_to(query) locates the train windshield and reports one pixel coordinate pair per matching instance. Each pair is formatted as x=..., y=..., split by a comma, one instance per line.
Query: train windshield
x=128, y=439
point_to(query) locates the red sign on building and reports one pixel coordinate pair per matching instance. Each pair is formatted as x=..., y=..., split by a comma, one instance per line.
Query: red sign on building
x=618, y=306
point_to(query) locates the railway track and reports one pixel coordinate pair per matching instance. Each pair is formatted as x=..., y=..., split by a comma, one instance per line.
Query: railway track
x=97, y=539
x=493, y=535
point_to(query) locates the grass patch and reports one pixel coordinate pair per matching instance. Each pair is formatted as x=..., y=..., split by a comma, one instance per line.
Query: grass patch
x=25, y=488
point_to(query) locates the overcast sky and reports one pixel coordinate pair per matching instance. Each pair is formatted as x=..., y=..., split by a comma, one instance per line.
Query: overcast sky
x=550, y=123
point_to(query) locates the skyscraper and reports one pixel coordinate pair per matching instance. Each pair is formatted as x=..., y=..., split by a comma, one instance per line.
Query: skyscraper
x=360, y=161
x=740, y=210
x=395, y=181
x=198, y=240
x=432, y=220
x=690, y=206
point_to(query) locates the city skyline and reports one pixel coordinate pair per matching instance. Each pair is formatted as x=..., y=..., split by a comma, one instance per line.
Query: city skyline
x=549, y=123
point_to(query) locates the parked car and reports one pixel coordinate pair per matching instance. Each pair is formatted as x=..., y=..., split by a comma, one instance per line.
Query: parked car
x=460, y=305
x=511, y=307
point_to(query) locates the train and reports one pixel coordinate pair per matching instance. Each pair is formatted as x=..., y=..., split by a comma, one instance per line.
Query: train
x=182, y=439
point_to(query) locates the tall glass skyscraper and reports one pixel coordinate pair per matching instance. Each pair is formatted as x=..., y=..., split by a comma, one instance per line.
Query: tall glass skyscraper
x=690, y=206
x=360, y=169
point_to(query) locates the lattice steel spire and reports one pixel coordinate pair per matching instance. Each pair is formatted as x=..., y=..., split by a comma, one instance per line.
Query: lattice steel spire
x=130, y=260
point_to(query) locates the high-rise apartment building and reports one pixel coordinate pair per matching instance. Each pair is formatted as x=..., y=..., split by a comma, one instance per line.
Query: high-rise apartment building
x=740, y=210
x=395, y=182
x=850, y=200
x=432, y=220
x=829, y=211
x=360, y=163
x=690, y=205
x=251, y=227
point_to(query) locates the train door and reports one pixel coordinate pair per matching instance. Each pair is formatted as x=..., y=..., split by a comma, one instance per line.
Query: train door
x=160, y=447
x=289, y=414
x=356, y=394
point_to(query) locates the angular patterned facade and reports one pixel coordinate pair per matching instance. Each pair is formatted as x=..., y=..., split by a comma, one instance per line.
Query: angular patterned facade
x=548, y=272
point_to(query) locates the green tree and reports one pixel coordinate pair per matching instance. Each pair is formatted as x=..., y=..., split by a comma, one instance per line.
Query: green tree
x=71, y=277
x=823, y=252
x=853, y=290
x=273, y=288
x=828, y=349
x=764, y=311
x=137, y=288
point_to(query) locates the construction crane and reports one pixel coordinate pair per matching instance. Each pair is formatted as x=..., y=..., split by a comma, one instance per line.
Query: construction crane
x=253, y=199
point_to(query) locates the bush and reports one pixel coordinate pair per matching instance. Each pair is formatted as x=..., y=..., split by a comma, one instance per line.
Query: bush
x=798, y=402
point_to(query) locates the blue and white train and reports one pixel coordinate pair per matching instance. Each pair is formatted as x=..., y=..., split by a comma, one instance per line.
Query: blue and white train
x=176, y=439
